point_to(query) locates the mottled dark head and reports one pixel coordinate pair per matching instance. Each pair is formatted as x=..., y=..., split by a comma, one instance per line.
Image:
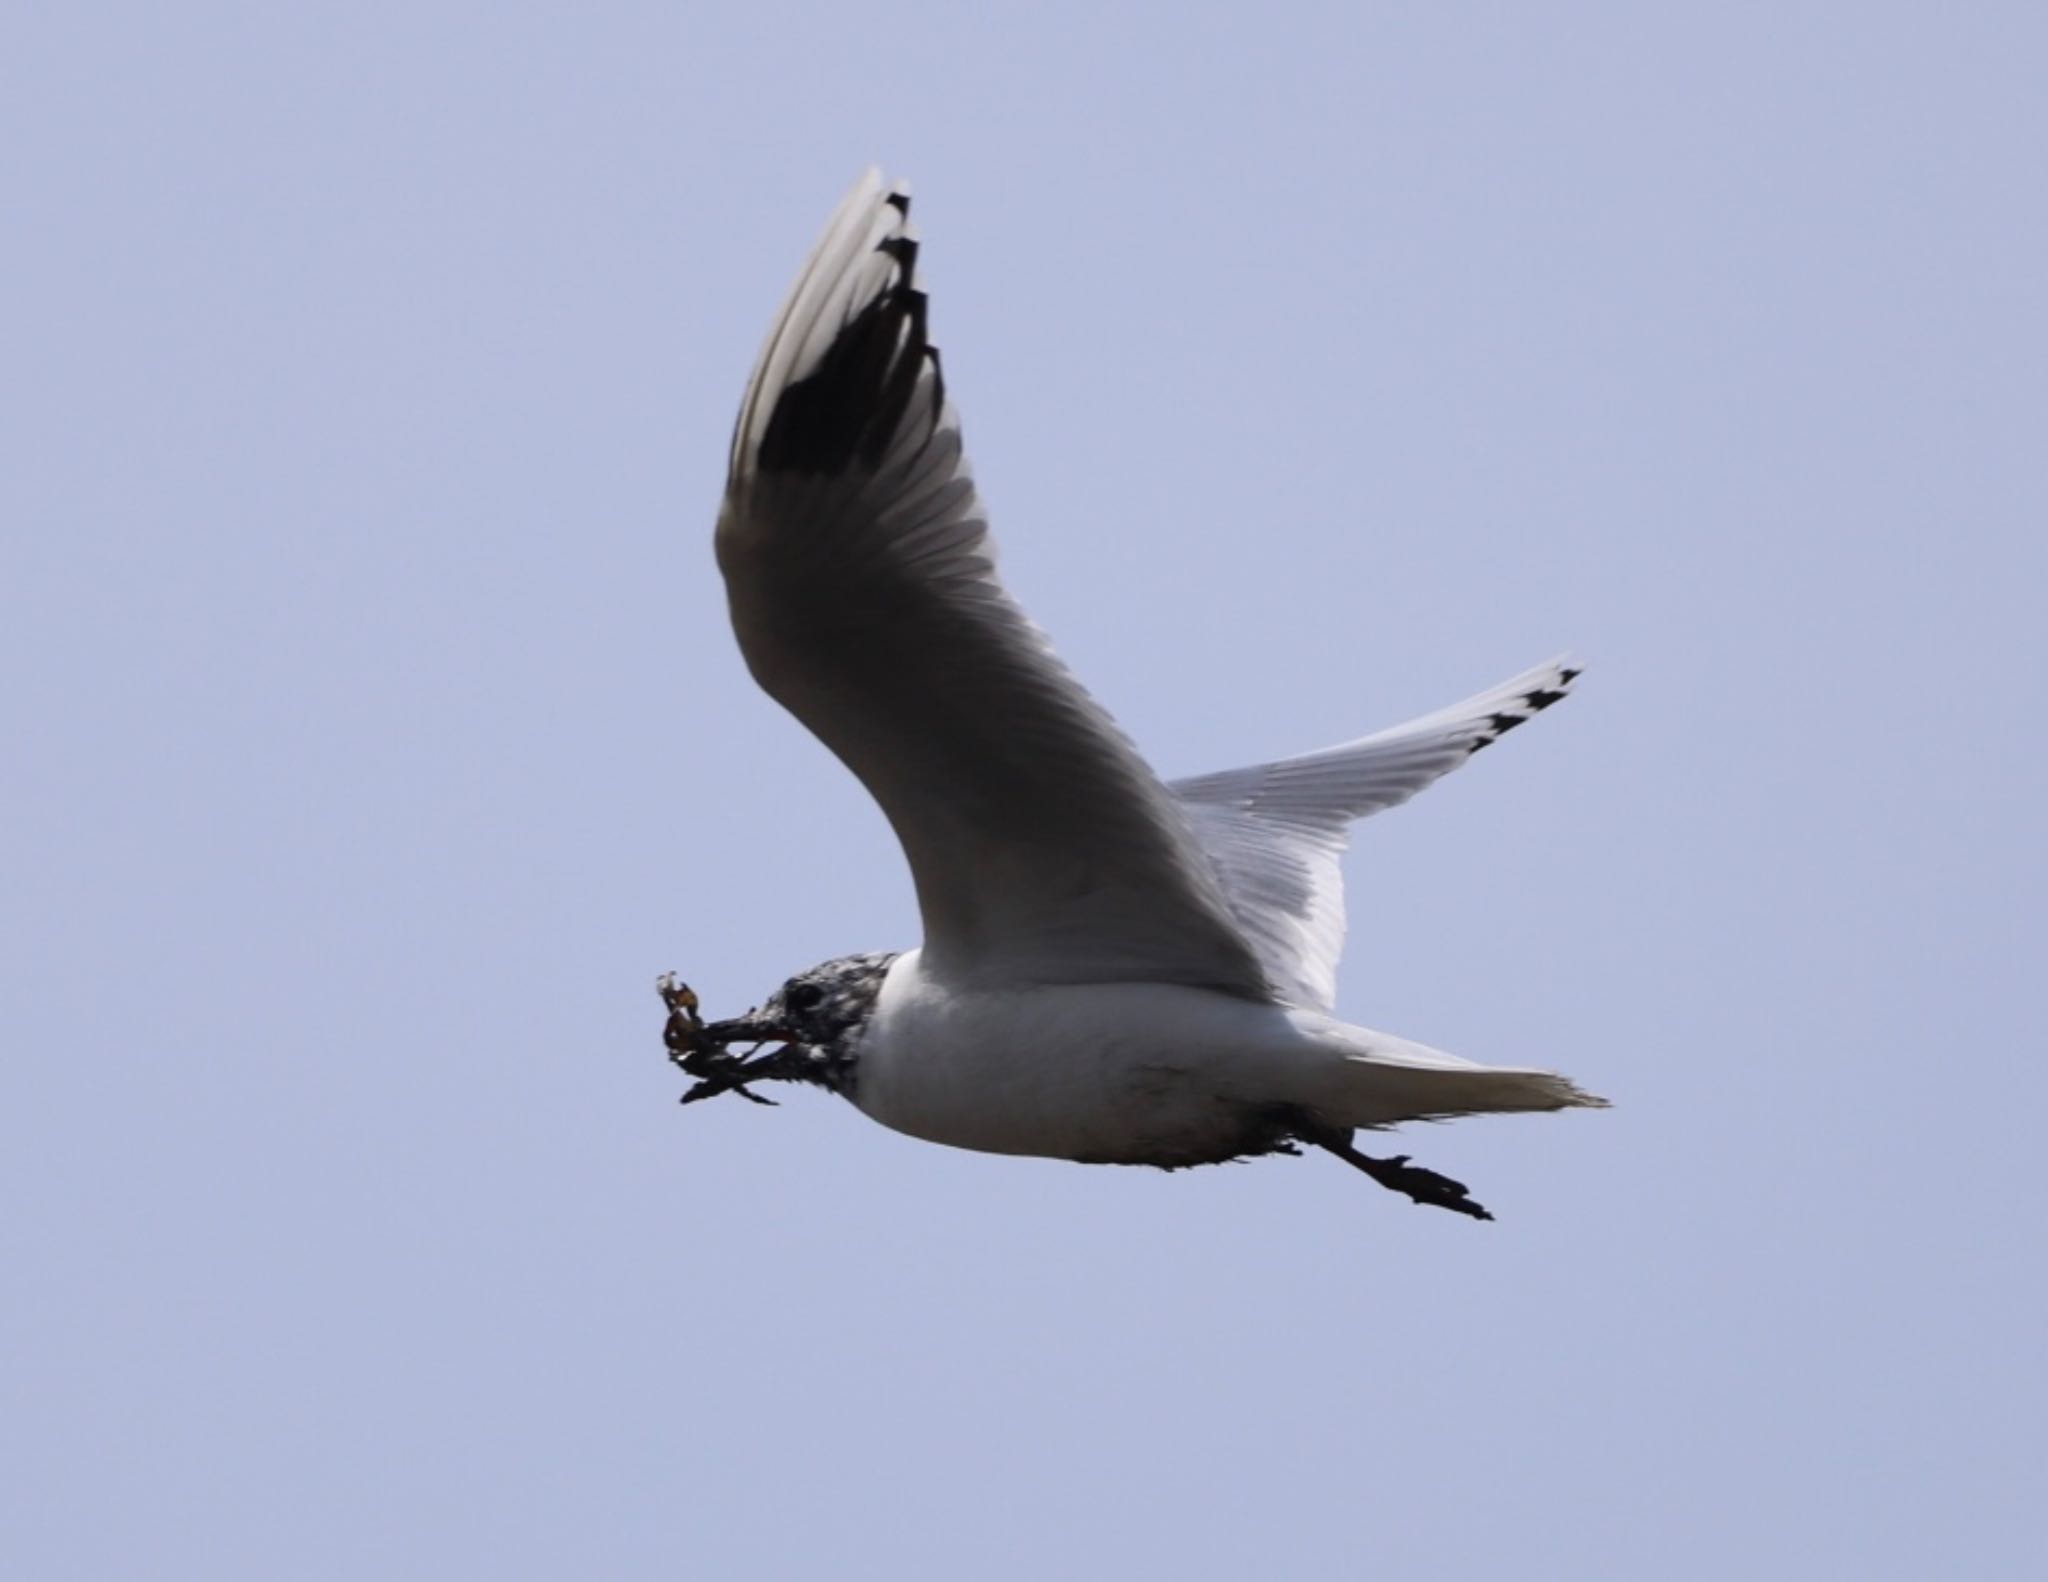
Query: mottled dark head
x=828, y=1005
x=822, y=1012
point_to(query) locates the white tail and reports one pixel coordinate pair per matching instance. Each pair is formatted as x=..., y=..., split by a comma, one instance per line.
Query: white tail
x=1385, y=1079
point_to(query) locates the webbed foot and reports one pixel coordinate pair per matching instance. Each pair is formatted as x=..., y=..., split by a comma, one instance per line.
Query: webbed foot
x=1398, y=1175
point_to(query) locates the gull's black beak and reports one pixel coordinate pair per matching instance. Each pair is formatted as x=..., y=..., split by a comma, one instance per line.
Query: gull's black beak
x=697, y=1046
x=748, y=1029
x=704, y=1049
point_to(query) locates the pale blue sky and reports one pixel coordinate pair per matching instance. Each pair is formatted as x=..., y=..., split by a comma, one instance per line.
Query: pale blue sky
x=376, y=737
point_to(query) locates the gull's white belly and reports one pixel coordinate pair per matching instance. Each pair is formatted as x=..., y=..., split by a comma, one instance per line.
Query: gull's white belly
x=1133, y=1073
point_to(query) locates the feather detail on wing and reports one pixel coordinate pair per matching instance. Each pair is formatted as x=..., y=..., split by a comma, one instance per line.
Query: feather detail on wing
x=861, y=577
x=1277, y=831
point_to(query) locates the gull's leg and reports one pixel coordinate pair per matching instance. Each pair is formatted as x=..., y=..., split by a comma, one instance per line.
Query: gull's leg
x=1397, y=1174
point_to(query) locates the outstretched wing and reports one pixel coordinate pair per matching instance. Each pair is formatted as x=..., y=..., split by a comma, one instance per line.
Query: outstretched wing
x=1275, y=832
x=862, y=582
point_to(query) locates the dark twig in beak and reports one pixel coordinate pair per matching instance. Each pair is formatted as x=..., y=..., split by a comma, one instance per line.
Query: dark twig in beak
x=702, y=1050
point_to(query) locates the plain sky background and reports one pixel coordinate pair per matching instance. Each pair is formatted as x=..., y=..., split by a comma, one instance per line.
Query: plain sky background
x=373, y=736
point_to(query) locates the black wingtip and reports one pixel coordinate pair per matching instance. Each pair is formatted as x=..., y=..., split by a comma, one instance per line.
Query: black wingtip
x=851, y=405
x=1532, y=703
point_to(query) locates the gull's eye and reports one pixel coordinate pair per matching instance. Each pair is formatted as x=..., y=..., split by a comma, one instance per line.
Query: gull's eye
x=803, y=997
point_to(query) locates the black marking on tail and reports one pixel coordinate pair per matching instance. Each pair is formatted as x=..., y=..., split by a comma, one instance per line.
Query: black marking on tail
x=851, y=405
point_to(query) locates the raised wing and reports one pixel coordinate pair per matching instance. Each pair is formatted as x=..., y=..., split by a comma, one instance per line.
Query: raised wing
x=862, y=582
x=1275, y=832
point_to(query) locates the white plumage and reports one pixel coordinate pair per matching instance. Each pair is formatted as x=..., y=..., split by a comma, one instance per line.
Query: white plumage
x=1113, y=970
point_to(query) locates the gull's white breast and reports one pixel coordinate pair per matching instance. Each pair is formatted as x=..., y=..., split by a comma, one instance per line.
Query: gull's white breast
x=1120, y=1073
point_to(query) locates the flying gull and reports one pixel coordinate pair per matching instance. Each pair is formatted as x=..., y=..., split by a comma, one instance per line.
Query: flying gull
x=1115, y=969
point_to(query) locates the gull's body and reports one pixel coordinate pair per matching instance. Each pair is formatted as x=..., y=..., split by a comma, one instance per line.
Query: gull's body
x=1138, y=1073
x=1105, y=1073
x=1114, y=970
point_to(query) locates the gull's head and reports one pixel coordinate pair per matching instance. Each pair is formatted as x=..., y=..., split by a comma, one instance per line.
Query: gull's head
x=826, y=1007
x=820, y=1014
